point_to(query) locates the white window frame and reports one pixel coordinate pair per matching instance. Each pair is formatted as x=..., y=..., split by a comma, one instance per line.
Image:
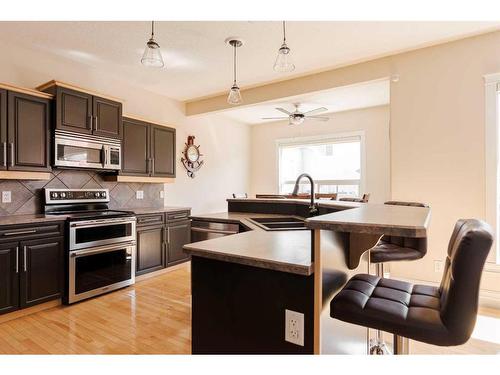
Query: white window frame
x=492, y=92
x=325, y=138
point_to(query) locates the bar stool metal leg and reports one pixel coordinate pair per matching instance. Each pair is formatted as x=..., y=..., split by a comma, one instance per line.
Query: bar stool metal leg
x=377, y=345
x=401, y=345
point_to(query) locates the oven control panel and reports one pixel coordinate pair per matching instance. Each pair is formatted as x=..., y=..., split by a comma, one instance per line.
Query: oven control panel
x=76, y=195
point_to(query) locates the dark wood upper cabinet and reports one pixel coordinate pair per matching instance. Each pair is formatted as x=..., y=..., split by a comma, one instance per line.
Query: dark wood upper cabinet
x=82, y=111
x=178, y=235
x=9, y=277
x=147, y=149
x=3, y=129
x=163, y=151
x=73, y=111
x=28, y=132
x=135, y=147
x=42, y=271
x=107, y=117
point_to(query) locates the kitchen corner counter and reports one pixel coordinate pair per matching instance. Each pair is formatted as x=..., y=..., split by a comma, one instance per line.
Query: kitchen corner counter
x=30, y=219
x=377, y=219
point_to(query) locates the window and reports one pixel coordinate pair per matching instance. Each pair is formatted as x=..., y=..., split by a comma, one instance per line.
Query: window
x=492, y=146
x=334, y=162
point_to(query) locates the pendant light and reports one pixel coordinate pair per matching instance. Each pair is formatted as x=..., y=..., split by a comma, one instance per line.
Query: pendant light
x=283, y=61
x=152, y=54
x=234, y=96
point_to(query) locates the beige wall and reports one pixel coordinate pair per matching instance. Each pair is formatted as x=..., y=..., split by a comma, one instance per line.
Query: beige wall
x=374, y=122
x=224, y=143
x=437, y=132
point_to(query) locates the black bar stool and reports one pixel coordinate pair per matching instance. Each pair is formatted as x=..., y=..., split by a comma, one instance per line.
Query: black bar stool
x=443, y=315
x=395, y=249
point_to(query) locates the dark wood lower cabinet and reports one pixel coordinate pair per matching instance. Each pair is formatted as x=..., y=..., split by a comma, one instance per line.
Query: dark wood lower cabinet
x=42, y=271
x=178, y=234
x=150, y=249
x=9, y=277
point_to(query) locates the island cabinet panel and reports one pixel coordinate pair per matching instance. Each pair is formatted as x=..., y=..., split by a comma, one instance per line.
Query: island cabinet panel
x=179, y=234
x=148, y=149
x=239, y=309
x=150, y=249
x=28, y=122
x=163, y=151
x=135, y=148
x=74, y=111
x=3, y=129
x=107, y=117
x=9, y=277
x=42, y=271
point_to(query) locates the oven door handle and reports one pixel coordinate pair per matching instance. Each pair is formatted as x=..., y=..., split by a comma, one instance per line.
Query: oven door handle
x=103, y=249
x=102, y=223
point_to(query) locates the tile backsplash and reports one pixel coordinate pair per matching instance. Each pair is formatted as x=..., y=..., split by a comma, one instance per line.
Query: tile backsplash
x=27, y=195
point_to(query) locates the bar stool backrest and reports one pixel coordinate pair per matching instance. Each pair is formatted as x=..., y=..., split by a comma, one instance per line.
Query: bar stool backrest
x=468, y=249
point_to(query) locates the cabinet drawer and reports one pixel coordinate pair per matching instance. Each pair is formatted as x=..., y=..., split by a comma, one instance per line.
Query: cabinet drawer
x=27, y=232
x=179, y=215
x=150, y=219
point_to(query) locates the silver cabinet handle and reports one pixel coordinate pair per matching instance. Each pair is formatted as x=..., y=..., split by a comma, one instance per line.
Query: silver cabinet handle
x=17, y=259
x=168, y=236
x=216, y=231
x=12, y=154
x=95, y=123
x=30, y=231
x=153, y=166
x=91, y=123
x=4, y=154
x=25, y=265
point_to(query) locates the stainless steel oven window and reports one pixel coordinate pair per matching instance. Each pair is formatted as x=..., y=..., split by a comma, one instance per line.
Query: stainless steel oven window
x=101, y=232
x=103, y=284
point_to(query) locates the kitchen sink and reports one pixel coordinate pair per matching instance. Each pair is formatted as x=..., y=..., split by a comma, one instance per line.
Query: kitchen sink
x=279, y=223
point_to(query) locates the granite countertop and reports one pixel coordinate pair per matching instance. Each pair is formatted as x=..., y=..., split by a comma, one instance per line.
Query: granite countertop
x=376, y=219
x=30, y=219
x=319, y=202
x=287, y=251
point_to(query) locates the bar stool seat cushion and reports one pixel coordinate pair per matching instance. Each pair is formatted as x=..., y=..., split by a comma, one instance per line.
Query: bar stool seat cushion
x=398, y=307
x=391, y=252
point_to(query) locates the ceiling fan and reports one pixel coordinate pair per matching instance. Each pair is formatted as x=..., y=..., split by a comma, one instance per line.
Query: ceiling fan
x=297, y=117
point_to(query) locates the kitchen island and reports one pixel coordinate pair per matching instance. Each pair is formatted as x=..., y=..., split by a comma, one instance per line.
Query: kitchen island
x=242, y=284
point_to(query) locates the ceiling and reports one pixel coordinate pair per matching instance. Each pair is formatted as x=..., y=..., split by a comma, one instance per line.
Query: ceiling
x=198, y=63
x=369, y=94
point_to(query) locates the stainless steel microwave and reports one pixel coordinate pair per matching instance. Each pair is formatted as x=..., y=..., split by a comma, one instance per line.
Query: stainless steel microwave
x=86, y=151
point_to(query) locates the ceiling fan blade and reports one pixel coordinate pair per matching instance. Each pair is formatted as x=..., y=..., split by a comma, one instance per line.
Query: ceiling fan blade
x=319, y=118
x=314, y=111
x=284, y=111
x=274, y=118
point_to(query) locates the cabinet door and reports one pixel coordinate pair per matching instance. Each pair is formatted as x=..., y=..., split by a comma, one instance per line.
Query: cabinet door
x=73, y=111
x=178, y=235
x=42, y=269
x=9, y=277
x=135, y=147
x=107, y=118
x=162, y=151
x=150, y=249
x=28, y=132
x=3, y=129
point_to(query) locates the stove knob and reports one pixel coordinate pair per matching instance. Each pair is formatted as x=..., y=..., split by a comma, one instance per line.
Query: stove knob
x=97, y=194
x=103, y=194
x=54, y=195
x=63, y=195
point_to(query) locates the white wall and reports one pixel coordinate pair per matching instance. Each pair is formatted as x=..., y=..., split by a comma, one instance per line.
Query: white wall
x=224, y=143
x=374, y=122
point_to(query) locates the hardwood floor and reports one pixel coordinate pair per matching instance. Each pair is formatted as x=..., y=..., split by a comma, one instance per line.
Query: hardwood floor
x=152, y=317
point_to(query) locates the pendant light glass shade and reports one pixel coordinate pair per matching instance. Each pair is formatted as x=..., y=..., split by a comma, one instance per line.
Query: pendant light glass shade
x=152, y=54
x=283, y=61
x=234, y=96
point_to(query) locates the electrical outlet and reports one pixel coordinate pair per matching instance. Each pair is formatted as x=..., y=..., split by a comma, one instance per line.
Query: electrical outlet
x=162, y=194
x=6, y=197
x=139, y=194
x=294, y=327
x=438, y=266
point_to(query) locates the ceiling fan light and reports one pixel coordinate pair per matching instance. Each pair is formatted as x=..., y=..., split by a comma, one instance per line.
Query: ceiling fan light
x=152, y=55
x=296, y=120
x=234, y=96
x=283, y=61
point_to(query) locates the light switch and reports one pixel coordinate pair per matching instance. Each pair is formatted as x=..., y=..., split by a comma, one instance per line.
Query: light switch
x=6, y=197
x=162, y=194
x=139, y=194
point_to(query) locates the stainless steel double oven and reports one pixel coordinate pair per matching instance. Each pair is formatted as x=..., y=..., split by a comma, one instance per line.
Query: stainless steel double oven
x=101, y=243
